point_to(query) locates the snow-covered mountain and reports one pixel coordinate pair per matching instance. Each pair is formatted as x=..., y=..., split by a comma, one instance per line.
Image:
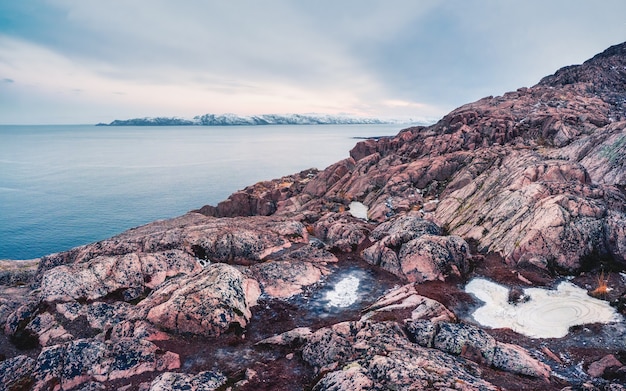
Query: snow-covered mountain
x=233, y=120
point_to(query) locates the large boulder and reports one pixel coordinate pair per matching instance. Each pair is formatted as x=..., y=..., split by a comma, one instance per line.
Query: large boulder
x=283, y=279
x=242, y=240
x=207, y=303
x=410, y=247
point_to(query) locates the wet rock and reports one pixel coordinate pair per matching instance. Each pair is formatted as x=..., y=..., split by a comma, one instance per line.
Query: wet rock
x=105, y=275
x=286, y=273
x=516, y=295
x=203, y=381
x=16, y=373
x=207, y=303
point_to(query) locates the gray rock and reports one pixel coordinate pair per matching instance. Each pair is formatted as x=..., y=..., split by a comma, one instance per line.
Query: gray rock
x=16, y=373
x=378, y=356
x=203, y=381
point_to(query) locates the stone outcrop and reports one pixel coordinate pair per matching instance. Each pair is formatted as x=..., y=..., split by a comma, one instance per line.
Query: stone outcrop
x=528, y=175
x=260, y=199
x=410, y=305
x=207, y=303
x=476, y=345
x=411, y=248
x=75, y=363
x=364, y=354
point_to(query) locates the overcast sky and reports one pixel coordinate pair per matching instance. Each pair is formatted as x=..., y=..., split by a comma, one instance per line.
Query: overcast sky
x=88, y=61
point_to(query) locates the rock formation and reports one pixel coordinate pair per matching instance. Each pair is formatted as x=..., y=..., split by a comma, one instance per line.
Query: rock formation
x=521, y=188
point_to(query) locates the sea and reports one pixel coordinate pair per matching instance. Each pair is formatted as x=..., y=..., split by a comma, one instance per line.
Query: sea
x=62, y=186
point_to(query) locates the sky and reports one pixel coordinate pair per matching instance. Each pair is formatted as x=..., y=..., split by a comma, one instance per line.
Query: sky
x=90, y=61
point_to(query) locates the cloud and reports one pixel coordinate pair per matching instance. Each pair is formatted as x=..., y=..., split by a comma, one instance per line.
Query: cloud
x=158, y=57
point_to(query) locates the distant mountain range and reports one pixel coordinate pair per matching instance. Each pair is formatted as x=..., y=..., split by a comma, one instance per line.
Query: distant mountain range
x=234, y=120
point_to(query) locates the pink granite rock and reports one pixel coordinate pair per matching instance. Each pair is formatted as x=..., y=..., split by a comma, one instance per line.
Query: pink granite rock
x=283, y=279
x=405, y=299
x=81, y=361
x=341, y=231
x=598, y=368
x=207, y=303
x=103, y=275
x=406, y=248
x=476, y=345
x=355, y=354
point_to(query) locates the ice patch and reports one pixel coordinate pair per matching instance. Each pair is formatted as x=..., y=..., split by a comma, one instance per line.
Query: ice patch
x=358, y=210
x=547, y=313
x=344, y=293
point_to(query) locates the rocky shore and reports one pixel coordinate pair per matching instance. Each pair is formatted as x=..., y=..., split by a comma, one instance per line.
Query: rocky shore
x=281, y=287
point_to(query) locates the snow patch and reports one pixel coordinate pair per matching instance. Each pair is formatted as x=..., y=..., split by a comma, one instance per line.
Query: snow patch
x=547, y=313
x=358, y=210
x=344, y=293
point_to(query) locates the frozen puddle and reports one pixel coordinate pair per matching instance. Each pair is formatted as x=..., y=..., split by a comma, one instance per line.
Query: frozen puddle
x=547, y=313
x=344, y=293
x=358, y=210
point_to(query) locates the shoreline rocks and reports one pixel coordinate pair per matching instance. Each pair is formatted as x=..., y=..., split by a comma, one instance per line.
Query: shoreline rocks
x=531, y=180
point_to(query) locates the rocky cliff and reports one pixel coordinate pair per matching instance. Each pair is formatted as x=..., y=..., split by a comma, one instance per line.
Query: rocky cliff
x=280, y=287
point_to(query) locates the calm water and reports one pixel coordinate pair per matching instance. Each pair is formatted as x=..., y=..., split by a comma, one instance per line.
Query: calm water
x=63, y=186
